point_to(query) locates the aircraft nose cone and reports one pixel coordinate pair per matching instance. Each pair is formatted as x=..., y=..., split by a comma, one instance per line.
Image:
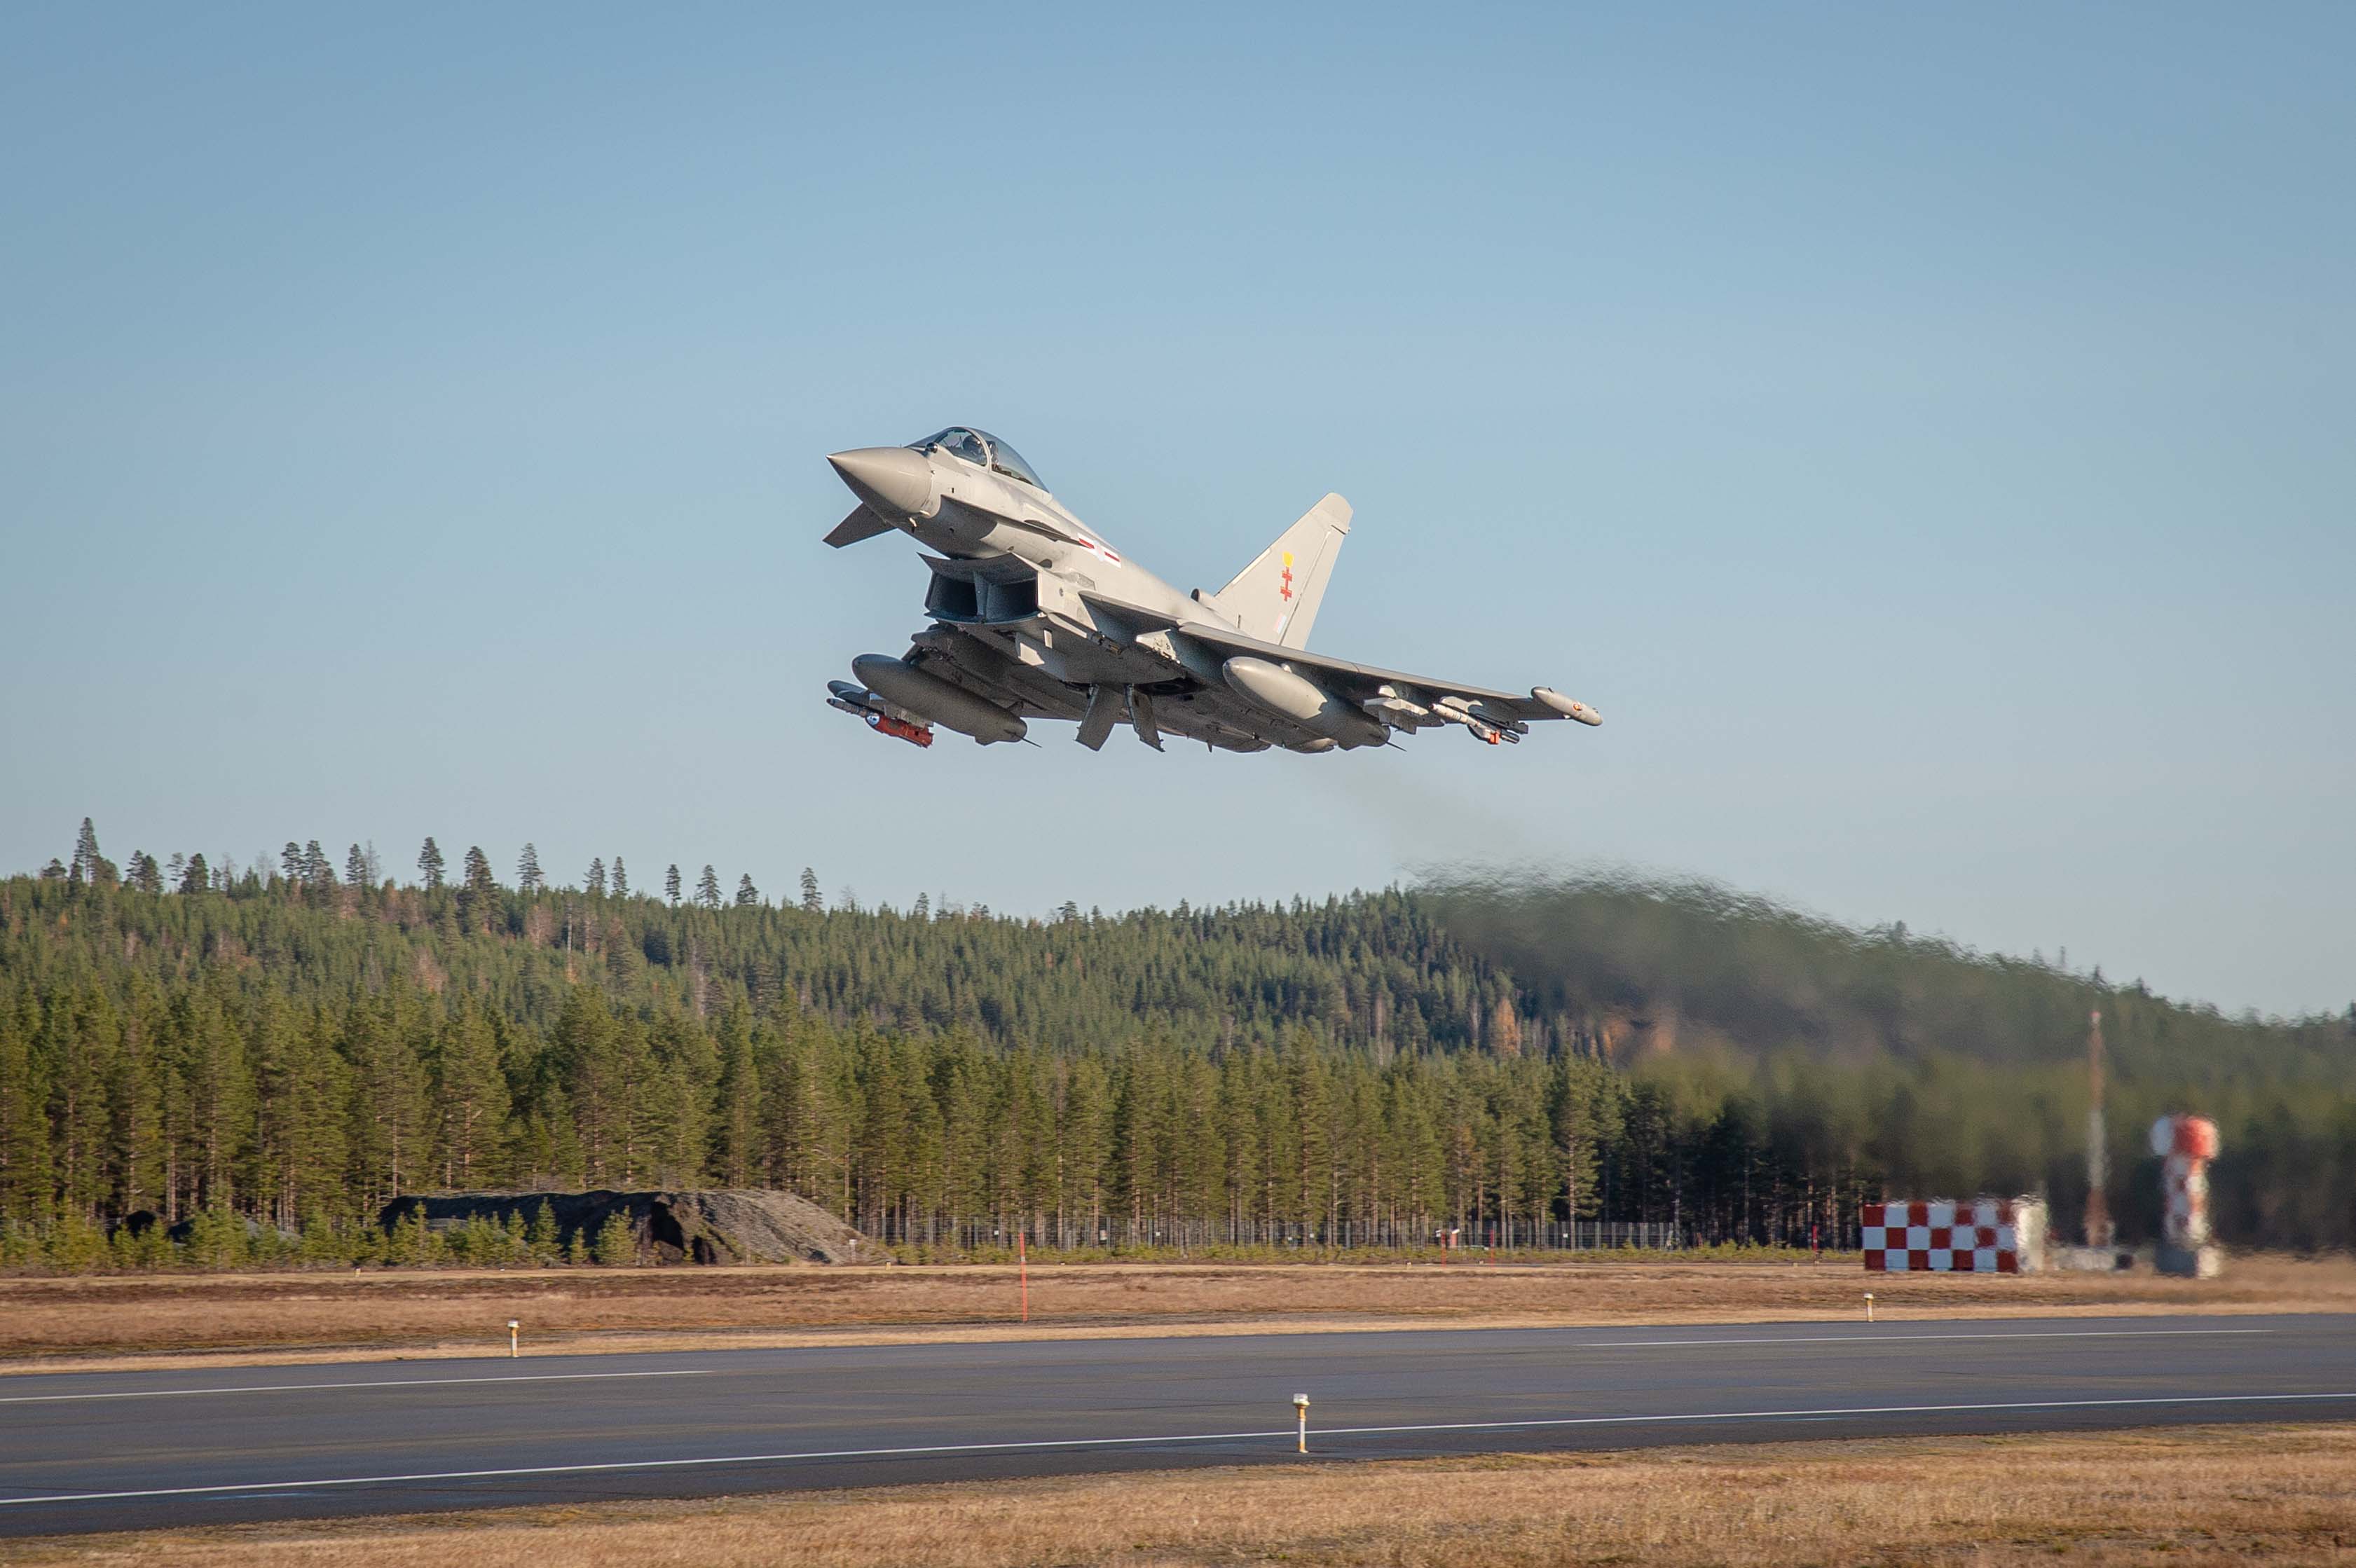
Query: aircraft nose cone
x=889, y=478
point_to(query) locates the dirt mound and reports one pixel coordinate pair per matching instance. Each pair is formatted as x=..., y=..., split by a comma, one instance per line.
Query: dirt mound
x=727, y=1225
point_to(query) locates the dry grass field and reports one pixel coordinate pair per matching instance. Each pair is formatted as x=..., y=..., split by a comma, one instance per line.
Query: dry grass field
x=95, y=1320
x=2179, y=1496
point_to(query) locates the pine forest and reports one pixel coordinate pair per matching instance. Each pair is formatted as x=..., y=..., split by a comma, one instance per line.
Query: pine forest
x=252, y=1062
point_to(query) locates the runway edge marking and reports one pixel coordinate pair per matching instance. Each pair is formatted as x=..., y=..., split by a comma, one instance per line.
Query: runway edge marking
x=360, y=1384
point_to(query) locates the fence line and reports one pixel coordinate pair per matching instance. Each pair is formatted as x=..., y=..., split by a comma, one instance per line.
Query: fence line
x=1075, y=1232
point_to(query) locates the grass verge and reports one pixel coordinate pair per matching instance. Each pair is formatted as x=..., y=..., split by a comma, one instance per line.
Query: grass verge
x=2175, y=1496
x=139, y=1319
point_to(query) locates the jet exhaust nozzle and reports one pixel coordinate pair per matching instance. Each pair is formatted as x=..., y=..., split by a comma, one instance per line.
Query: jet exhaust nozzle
x=902, y=685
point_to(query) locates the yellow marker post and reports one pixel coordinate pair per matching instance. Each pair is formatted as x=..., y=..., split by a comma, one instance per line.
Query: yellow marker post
x=515, y=1338
x=1301, y=1408
x=1869, y=1306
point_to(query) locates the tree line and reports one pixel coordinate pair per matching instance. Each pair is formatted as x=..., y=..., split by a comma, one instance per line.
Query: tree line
x=299, y=1050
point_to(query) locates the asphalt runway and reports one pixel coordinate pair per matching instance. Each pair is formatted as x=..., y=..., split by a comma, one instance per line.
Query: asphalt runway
x=87, y=1451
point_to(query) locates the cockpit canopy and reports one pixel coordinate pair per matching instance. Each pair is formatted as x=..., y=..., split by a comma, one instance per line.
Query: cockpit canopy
x=983, y=449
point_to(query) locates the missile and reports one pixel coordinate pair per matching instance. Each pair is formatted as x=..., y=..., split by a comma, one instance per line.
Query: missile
x=1456, y=710
x=928, y=697
x=1389, y=708
x=861, y=703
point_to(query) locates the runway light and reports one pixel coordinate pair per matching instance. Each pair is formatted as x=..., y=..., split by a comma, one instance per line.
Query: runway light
x=1301, y=1408
x=1869, y=1306
x=515, y=1338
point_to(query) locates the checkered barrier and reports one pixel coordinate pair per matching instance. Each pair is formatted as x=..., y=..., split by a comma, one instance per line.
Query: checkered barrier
x=1987, y=1236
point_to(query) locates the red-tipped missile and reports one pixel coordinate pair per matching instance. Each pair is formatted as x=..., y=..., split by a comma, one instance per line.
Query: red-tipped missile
x=915, y=735
x=861, y=703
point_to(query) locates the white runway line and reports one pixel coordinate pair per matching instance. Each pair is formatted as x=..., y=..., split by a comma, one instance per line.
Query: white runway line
x=1893, y=1338
x=1286, y=1433
x=1905, y=1338
x=380, y=1382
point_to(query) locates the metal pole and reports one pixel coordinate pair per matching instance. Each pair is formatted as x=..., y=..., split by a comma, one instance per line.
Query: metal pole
x=2100, y=1231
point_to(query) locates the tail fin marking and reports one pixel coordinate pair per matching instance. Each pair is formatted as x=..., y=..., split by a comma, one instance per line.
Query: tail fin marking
x=1276, y=597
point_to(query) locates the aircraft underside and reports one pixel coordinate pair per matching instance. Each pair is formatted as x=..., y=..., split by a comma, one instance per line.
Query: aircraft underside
x=987, y=664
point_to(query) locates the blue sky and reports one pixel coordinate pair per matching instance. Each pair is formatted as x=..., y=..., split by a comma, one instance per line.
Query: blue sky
x=1924, y=435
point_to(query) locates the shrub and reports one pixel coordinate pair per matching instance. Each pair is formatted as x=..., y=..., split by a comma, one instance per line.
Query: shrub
x=547, y=1246
x=617, y=1244
x=217, y=1239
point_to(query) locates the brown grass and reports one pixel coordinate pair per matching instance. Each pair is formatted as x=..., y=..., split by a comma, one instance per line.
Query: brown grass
x=45, y=1323
x=2179, y=1496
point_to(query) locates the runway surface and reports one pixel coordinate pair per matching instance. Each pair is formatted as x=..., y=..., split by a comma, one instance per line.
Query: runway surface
x=126, y=1450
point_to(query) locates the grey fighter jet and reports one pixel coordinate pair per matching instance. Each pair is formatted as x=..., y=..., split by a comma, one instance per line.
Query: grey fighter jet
x=1034, y=616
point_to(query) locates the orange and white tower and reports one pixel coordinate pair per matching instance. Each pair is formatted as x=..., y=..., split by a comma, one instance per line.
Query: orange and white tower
x=2187, y=1144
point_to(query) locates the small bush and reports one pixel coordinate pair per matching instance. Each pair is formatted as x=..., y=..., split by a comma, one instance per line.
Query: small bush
x=616, y=1243
x=216, y=1239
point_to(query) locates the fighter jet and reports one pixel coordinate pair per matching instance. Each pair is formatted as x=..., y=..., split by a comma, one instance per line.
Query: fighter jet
x=1035, y=616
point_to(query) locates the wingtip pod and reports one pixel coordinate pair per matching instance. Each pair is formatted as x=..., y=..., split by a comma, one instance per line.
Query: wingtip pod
x=1565, y=706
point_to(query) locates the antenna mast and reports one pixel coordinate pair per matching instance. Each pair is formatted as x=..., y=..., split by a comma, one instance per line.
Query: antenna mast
x=2099, y=1232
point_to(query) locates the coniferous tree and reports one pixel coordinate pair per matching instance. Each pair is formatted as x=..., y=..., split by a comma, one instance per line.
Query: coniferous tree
x=390, y=1145
x=736, y=1116
x=595, y=881
x=616, y=1245
x=290, y=864
x=25, y=1185
x=146, y=875
x=470, y=1100
x=671, y=886
x=478, y=891
x=707, y=889
x=747, y=895
x=813, y=901
x=356, y=868
x=90, y=867
x=429, y=865
x=55, y=872
x=197, y=878
x=529, y=878
x=621, y=880
x=318, y=872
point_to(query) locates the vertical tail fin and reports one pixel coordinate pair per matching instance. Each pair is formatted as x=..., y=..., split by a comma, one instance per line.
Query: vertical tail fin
x=1276, y=597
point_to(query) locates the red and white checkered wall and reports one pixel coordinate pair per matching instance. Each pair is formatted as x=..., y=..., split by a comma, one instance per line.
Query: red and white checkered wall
x=1987, y=1236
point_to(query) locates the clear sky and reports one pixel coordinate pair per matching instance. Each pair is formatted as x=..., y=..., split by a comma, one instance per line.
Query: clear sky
x=1926, y=433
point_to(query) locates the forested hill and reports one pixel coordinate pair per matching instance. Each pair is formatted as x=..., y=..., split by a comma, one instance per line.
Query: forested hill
x=1353, y=971
x=1621, y=971
x=295, y=1043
